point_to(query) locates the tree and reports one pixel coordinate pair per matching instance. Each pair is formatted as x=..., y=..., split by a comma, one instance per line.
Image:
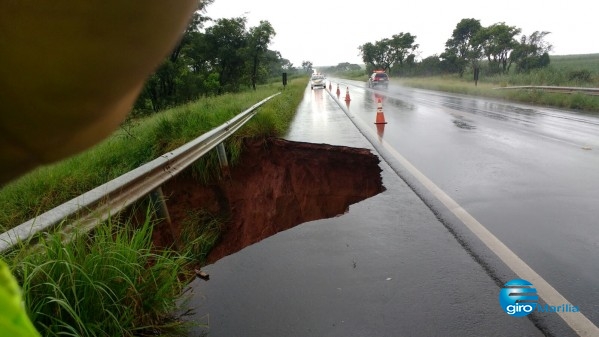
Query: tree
x=498, y=41
x=377, y=55
x=430, y=66
x=385, y=53
x=220, y=59
x=275, y=64
x=307, y=66
x=462, y=49
x=285, y=63
x=368, y=53
x=345, y=66
x=258, y=41
x=194, y=26
x=162, y=88
x=226, y=42
x=532, y=52
x=401, y=47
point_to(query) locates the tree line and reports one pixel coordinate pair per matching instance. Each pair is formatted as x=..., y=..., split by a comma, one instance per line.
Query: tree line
x=228, y=56
x=469, y=46
x=221, y=58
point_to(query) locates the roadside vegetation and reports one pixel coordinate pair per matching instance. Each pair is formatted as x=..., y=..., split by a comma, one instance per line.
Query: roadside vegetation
x=564, y=71
x=215, y=57
x=500, y=55
x=111, y=285
x=116, y=283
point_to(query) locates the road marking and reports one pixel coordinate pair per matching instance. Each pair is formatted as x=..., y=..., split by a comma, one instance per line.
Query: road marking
x=577, y=321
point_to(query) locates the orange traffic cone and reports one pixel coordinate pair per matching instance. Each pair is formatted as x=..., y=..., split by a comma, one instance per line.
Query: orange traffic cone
x=380, y=116
x=338, y=91
x=347, y=99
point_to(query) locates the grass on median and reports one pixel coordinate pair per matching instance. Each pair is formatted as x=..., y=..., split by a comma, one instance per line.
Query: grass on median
x=454, y=84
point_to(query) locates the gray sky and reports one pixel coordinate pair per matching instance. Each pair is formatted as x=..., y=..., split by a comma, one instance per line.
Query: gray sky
x=330, y=32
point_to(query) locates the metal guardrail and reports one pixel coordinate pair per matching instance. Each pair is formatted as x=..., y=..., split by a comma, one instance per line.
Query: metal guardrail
x=100, y=203
x=566, y=90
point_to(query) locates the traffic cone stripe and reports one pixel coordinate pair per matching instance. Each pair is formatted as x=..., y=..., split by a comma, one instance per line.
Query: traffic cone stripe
x=380, y=116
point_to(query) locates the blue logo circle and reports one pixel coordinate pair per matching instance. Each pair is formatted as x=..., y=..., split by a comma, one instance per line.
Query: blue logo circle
x=518, y=298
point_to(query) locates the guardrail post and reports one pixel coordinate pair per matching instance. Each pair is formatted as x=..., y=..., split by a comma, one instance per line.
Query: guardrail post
x=159, y=204
x=222, y=159
x=157, y=198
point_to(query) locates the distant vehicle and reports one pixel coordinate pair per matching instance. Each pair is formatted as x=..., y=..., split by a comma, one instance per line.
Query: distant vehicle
x=378, y=79
x=317, y=80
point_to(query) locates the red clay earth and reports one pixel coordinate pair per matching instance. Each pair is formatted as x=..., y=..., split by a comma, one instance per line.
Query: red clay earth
x=277, y=185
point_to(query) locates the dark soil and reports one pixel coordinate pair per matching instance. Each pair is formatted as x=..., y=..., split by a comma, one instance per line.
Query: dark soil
x=277, y=185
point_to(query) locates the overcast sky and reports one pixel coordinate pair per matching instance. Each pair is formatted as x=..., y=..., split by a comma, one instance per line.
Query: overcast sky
x=327, y=32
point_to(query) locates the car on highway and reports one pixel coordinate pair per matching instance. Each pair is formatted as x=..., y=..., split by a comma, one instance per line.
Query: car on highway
x=317, y=80
x=378, y=79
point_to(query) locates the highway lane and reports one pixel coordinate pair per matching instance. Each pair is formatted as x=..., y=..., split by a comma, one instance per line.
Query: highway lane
x=386, y=267
x=528, y=174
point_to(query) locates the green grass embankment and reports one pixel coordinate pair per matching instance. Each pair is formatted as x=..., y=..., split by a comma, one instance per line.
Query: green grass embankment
x=140, y=141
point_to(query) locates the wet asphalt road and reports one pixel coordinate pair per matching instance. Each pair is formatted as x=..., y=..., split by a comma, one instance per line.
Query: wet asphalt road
x=388, y=267
x=530, y=175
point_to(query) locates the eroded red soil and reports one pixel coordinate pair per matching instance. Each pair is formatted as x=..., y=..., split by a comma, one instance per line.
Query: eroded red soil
x=277, y=185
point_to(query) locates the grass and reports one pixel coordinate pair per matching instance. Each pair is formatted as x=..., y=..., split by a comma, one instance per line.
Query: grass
x=488, y=88
x=200, y=232
x=589, y=62
x=116, y=283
